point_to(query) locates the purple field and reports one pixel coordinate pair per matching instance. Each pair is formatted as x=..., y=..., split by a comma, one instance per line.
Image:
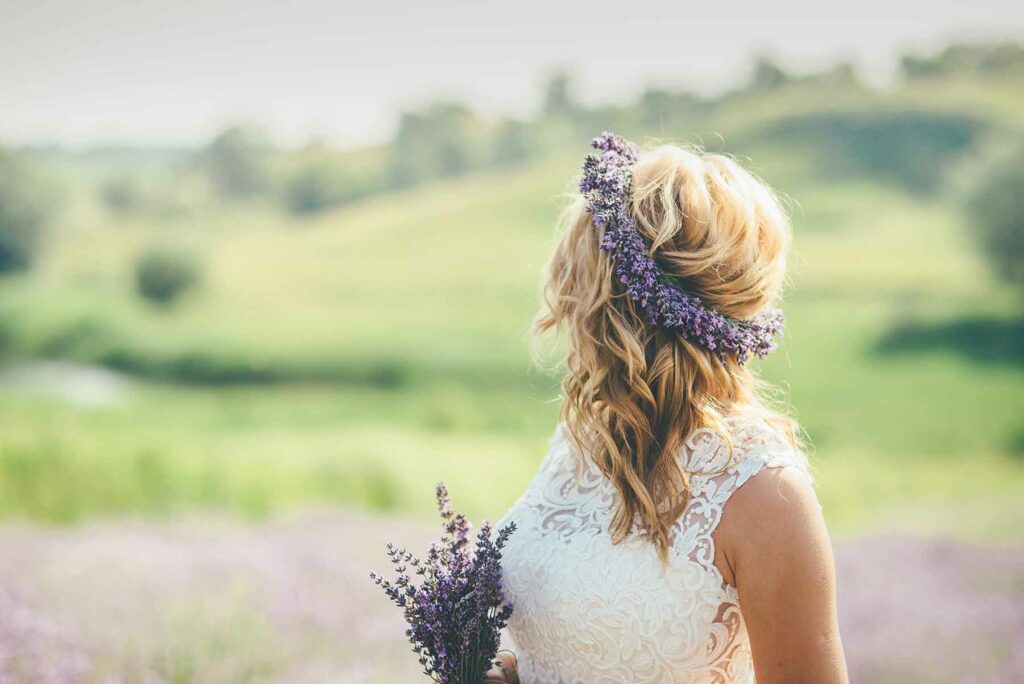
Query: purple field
x=215, y=601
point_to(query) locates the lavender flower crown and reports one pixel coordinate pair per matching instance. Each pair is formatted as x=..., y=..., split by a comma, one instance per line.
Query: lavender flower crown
x=606, y=184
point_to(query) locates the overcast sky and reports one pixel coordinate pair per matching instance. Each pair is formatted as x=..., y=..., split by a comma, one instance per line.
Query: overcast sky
x=82, y=72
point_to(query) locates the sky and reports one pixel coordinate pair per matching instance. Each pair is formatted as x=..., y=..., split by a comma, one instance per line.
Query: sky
x=153, y=72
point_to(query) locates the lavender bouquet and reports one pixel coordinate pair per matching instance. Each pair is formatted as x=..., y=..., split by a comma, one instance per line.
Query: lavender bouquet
x=457, y=612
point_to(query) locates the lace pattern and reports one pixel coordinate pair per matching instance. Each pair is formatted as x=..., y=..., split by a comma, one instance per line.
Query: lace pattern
x=587, y=610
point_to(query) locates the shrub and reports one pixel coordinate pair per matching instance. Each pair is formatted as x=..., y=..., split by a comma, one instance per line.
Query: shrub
x=309, y=191
x=23, y=213
x=122, y=194
x=162, y=276
x=319, y=186
x=997, y=208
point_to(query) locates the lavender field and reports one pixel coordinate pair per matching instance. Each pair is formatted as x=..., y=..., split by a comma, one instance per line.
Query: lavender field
x=222, y=602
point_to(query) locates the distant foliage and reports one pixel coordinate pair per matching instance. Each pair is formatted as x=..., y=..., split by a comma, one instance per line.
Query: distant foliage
x=442, y=140
x=163, y=275
x=122, y=194
x=997, y=208
x=767, y=75
x=558, y=95
x=237, y=162
x=310, y=191
x=843, y=74
x=24, y=209
x=985, y=59
x=658, y=107
x=514, y=143
x=911, y=148
x=319, y=186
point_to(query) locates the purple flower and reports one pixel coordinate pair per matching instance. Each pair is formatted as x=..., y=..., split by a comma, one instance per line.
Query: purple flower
x=457, y=612
x=606, y=183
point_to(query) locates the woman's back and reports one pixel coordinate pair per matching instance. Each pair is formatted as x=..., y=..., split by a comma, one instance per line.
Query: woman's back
x=590, y=610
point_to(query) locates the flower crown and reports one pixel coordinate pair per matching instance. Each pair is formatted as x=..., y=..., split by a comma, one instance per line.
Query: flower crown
x=606, y=184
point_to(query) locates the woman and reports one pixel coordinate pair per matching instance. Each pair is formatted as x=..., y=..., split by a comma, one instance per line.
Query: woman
x=672, y=533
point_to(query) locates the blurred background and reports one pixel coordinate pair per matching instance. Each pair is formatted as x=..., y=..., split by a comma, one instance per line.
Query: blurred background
x=267, y=274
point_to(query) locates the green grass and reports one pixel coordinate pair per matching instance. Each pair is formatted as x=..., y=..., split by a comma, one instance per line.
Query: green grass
x=358, y=356
x=258, y=450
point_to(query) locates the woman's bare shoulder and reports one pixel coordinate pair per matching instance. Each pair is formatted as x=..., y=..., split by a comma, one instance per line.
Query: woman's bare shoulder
x=774, y=514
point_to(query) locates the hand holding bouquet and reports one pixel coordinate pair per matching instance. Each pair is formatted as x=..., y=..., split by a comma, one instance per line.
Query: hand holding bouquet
x=458, y=610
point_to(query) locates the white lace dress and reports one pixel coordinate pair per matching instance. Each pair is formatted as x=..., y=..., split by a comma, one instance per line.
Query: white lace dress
x=589, y=611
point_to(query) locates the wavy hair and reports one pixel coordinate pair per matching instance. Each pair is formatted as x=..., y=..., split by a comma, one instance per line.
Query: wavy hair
x=632, y=392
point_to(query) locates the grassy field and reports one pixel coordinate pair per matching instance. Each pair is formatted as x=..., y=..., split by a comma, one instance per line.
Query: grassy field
x=357, y=356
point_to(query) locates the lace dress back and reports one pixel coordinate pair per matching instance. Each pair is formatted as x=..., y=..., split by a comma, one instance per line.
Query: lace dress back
x=588, y=610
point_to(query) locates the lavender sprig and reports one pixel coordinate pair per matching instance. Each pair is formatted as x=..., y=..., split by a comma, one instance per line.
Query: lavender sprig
x=606, y=183
x=457, y=612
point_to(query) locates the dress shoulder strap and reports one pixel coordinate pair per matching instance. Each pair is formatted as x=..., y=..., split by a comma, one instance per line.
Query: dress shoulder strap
x=717, y=468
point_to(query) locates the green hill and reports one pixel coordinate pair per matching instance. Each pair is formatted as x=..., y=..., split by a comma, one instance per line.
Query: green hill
x=358, y=354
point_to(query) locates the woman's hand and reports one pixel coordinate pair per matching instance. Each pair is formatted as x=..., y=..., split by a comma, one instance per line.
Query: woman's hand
x=506, y=672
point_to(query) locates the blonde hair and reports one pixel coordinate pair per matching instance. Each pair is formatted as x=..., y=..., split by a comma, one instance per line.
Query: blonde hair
x=633, y=392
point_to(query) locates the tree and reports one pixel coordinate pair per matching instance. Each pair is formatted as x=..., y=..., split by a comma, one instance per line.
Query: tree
x=23, y=214
x=237, y=162
x=767, y=75
x=997, y=207
x=558, y=98
x=440, y=140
